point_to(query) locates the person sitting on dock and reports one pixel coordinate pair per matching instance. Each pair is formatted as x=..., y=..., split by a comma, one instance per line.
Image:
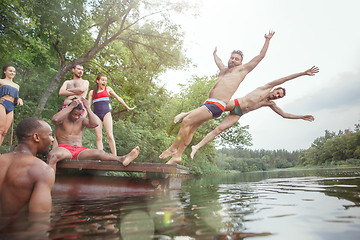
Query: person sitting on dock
x=258, y=98
x=69, y=129
x=25, y=180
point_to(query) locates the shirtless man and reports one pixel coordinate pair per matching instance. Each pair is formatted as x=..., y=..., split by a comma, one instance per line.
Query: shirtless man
x=225, y=86
x=260, y=97
x=77, y=87
x=69, y=129
x=25, y=180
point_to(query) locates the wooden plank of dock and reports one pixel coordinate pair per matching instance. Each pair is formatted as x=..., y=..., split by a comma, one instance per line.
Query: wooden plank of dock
x=116, y=166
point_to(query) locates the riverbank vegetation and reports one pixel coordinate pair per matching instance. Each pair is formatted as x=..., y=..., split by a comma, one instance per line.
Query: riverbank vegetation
x=133, y=43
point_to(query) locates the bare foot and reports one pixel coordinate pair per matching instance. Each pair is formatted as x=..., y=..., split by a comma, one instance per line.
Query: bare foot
x=167, y=153
x=178, y=117
x=131, y=156
x=173, y=160
x=193, y=151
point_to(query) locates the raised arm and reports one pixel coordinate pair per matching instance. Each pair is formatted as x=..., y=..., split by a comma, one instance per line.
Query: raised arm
x=93, y=120
x=90, y=96
x=218, y=61
x=310, y=72
x=256, y=60
x=113, y=93
x=279, y=111
x=59, y=117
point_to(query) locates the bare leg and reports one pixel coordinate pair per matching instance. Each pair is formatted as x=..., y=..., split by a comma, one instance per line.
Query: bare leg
x=56, y=155
x=108, y=125
x=230, y=120
x=98, y=133
x=93, y=154
x=188, y=127
x=180, y=116
x=5, y=123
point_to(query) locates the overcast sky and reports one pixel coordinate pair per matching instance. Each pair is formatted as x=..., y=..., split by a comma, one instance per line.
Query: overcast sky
x=324, y=33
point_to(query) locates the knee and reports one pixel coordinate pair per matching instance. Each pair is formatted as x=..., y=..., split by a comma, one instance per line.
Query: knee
x=110, y=136
x=54, y=157
x=219, y=129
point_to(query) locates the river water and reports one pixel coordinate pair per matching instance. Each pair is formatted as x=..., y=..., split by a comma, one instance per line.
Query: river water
x=294, y=204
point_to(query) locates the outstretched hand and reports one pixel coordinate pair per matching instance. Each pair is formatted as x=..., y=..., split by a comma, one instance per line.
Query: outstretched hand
x=312, y=71
x=309, y=118
x=269, y=35
x=215, y=51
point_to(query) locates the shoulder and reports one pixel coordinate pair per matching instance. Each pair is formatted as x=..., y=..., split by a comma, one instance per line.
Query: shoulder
x=40, y=171
x=66, y=82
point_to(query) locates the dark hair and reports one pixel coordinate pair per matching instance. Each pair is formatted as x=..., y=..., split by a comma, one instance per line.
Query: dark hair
x=281, y=89
x=4, y=69
x=78, y=107
x=97, y=85
x=27, y=127
x=76, y=64
x=238, y=52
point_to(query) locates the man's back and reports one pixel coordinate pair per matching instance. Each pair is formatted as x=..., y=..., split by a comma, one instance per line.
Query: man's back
x=21, y=177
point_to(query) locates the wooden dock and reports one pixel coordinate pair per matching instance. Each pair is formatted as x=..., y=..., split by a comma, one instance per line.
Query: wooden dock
x=116, y=166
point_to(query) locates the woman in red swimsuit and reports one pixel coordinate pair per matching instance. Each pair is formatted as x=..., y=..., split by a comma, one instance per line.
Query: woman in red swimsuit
x=100, y=98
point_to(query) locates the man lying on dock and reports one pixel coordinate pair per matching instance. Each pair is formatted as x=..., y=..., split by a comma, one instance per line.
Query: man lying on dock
x=25, y=180
x=258, y=98
x=69, y=129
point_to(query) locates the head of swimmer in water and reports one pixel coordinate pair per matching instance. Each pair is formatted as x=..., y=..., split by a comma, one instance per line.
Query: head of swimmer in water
x=235, y=59
x=36, y=133
x=277, y=93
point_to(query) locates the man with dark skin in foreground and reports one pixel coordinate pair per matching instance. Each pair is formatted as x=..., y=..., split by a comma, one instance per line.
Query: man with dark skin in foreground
x=260, y=97
x=69, y=129
x=25, y=180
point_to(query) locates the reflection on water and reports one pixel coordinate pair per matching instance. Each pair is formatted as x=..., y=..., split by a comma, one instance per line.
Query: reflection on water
x=303, y=204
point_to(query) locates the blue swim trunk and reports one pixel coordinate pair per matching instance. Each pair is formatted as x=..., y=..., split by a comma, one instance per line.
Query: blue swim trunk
x=8, y=105
x=215, y=107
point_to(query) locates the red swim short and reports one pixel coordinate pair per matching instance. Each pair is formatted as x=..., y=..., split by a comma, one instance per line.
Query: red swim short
x=73, y=149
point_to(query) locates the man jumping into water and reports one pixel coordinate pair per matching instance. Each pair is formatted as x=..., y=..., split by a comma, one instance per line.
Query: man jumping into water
x=69, y=129
x=260, y=97
x=225, y=86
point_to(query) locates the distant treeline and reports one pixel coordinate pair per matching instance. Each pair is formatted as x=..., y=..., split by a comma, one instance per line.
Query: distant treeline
x=331, y=149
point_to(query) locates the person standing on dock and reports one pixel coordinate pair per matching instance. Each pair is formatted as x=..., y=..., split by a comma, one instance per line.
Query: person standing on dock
x=25, y=180
x=77, y=87
x=100, y=98
x=225, y=86
x=260, y=97
x=69, y=129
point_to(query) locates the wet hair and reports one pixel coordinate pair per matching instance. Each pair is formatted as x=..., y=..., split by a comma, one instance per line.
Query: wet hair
x=97, y=85
x=27, y=127
x=281, y=89
x=238, y=52
x=4, y=69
